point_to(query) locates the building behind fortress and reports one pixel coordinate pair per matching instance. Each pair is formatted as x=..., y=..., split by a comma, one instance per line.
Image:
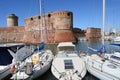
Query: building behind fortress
x=57, y=26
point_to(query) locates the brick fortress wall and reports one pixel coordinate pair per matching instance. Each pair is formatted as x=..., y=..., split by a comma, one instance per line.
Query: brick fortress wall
x=59, y=25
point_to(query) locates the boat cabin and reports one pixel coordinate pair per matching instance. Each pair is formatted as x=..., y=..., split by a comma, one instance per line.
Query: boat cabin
x=66, y=46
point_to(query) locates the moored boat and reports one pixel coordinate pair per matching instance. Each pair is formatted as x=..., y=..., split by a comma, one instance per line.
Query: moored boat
x=102, y=68
x=34, y=66
x=8, y=57
x=103, y=65
x=116, y=39
x=67, y=64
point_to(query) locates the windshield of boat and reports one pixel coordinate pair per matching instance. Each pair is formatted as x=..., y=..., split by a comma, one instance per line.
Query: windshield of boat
x=5, y=57
x=67, y=54
x=8, y=52
x=70, y=48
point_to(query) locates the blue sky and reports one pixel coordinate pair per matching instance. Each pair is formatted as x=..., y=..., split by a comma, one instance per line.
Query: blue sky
x=86, y=13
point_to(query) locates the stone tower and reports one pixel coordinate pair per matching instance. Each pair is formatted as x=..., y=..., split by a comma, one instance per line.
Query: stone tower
x=54, y=21
x=59, y=25
x=62, y=20
x=12, y=20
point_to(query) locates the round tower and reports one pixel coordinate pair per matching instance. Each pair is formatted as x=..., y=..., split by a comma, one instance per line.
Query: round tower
x=12, y=20
x=62, y=20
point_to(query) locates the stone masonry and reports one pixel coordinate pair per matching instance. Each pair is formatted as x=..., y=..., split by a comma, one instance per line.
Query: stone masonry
x=56, y=27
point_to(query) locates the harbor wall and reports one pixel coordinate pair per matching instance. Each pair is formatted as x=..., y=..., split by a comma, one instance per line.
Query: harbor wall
x=93, y=33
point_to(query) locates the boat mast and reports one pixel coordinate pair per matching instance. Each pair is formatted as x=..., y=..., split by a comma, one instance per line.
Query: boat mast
x=40, y=1
x=103, y=22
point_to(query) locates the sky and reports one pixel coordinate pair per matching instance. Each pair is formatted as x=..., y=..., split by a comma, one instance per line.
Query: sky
x=86, y=13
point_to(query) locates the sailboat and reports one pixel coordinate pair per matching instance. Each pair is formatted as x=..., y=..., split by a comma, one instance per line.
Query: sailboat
x=10, y=55
x=35, y=65
x=67, y=64
x=102, y=65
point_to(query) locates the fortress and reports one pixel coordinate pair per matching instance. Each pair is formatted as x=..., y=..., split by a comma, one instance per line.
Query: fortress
x=56, y=27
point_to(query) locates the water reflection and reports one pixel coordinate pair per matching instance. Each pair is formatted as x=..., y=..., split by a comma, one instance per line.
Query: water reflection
x=96, y=44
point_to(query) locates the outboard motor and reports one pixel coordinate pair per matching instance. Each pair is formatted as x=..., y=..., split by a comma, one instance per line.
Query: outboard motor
x=29, y=68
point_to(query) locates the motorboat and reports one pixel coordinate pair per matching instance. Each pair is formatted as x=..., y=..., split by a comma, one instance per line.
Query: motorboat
x=8, y=57
x=67, y=64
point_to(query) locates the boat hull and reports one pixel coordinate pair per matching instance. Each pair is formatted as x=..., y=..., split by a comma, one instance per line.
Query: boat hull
x=4, y=73
x=104, y=70
x=77, y=73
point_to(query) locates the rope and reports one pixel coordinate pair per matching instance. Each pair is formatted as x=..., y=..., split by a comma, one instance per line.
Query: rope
x=56, y=69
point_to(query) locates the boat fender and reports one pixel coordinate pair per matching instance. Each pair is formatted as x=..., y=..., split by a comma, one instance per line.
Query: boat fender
x=12, y=69
x=29, y=68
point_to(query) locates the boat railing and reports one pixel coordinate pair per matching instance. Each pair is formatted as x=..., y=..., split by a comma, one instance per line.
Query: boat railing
x=96, y=64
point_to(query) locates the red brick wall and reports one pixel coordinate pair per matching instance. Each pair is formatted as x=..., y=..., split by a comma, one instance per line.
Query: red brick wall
x=59, y=25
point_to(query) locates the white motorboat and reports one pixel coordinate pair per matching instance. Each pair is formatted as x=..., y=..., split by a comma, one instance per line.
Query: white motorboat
x=67, y=64
x=8, y=57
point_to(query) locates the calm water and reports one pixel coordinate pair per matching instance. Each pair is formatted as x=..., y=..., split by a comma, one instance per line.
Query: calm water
x=82, y=45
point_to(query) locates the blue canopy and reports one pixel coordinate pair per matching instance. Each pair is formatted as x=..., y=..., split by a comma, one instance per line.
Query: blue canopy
x=40, y=47
x=115, y=44
x=101, y=50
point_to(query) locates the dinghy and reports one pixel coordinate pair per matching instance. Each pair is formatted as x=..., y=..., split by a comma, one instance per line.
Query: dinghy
x=67, y=64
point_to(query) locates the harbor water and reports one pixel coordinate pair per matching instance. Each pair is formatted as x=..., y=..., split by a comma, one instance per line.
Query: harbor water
x=81, y=45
